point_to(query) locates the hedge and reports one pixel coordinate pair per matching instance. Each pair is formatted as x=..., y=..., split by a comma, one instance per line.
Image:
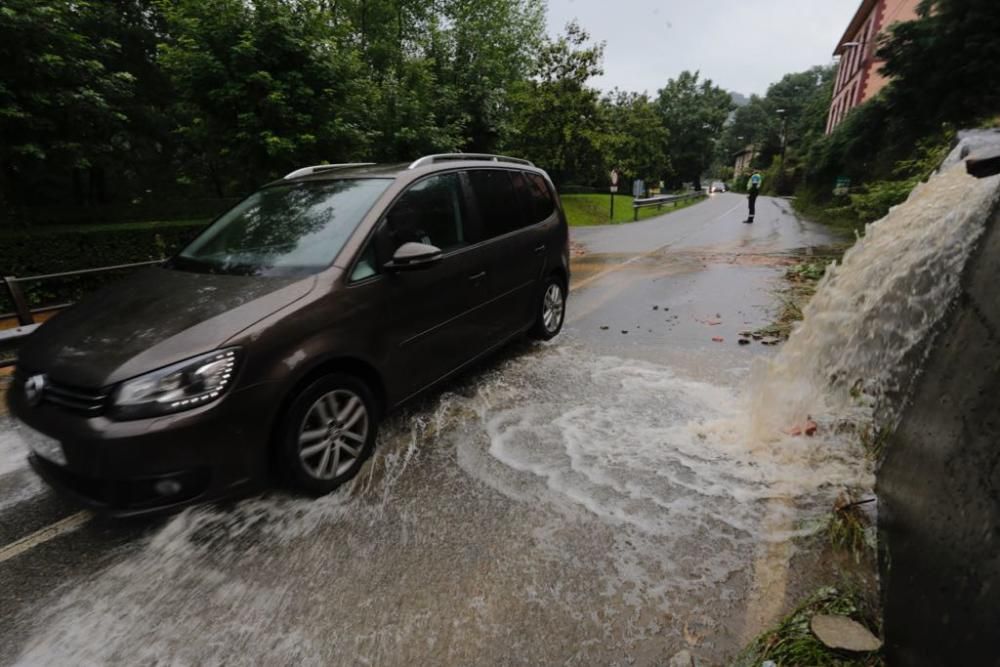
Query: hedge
x=55, y=250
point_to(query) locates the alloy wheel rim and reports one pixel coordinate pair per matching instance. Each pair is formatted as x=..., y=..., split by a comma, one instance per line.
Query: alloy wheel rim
x=552, y=307
x=333, y=434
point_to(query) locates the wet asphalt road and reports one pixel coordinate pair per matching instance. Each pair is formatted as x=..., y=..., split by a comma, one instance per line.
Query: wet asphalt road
x=592, y=500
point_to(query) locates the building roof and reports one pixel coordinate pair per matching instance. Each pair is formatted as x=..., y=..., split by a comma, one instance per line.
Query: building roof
x=855, y=25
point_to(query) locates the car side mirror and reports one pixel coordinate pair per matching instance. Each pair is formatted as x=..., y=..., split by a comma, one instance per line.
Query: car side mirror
x=411, y=256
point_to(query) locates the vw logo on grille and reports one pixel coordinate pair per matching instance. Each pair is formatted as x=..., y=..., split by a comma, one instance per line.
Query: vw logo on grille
x=34, y=388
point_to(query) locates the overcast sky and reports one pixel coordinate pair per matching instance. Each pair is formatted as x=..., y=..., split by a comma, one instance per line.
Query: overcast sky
x=742, y=46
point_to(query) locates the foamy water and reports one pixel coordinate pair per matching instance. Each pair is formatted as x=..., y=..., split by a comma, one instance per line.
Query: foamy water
x=619, y=491
x=13, y=451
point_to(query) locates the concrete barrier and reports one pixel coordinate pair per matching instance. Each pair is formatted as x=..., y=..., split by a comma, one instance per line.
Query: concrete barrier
x=939, y=485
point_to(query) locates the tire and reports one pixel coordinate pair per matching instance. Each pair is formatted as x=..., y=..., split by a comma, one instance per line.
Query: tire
x=550, y=310
x=322, y=446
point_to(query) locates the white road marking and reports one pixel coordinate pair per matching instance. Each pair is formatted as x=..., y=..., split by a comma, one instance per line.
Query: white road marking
x=69, y=524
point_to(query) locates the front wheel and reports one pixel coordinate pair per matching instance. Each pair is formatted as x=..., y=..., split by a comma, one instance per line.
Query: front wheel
x=328, y=433
x=551, y=310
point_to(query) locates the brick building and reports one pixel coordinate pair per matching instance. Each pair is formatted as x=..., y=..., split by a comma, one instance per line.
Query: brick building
x=858, y=77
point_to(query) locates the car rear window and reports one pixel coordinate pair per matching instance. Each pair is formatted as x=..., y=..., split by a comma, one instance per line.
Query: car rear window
x=539, y=202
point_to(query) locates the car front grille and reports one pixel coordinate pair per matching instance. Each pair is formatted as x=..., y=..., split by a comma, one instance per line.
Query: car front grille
x=82, y=401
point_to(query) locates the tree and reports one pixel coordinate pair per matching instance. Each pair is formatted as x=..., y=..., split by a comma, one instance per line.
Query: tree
x=944, y=65
x=261, y=86
x=635, y=139
x=557, y=121
x=61, y=105
x=693, y=114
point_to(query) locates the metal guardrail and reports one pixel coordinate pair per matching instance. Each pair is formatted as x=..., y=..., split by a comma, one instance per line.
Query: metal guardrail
x=25, y=314
x=660, y=200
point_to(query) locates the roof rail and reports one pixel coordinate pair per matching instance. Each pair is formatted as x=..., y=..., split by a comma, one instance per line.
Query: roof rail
x=317, y=168
x=445, y=157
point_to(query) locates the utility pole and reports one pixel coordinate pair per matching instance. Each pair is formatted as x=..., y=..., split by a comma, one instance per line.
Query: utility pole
x=784, y=134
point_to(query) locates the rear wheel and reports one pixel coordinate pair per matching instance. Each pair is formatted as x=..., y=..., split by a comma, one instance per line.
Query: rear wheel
x=328, y=433
x=551, y=310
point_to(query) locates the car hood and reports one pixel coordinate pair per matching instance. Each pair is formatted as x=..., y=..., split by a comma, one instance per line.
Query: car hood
x=151, y=319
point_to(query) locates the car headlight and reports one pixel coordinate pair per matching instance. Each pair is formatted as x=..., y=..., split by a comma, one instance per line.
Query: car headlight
x=182, y=386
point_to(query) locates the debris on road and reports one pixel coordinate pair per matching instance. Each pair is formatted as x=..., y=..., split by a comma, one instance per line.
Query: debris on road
x=771, y=340
x=656, y=307
x=718, y=339
x=624, y=331
x=840, y=632
x=604, y=328
x=744, y=341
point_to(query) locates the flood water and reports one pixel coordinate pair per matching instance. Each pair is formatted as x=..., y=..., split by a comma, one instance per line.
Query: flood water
x=606, y=498
x=564, y=507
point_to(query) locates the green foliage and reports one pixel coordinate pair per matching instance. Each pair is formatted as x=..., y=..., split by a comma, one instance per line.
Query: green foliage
x=797, y=104
x=944, y=65
x=872, y=201
x=60, y=249
x=693, y=113
x=849, y=529
x=141, y=100
x=60, y=103
x=557, y=120
x=791, y=643
x=255, y=85
x=636, y=141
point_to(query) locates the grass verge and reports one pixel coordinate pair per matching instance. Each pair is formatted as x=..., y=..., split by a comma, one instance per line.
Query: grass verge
x=791, y=643
x=594, y=209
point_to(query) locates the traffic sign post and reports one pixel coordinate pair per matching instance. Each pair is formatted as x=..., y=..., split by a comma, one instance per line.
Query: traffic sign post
x=614, y=189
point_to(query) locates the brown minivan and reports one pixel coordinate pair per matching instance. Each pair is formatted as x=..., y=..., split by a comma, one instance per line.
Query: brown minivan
x=278, y=338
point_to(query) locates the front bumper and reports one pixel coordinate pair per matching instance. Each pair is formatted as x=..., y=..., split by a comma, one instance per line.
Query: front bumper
x=144, y=466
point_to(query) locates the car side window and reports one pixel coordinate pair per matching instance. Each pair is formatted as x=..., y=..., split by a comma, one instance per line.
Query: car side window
x=536, y=200
x=430, y=212
x=497, y=200
x=366, y=266
x=543, y=204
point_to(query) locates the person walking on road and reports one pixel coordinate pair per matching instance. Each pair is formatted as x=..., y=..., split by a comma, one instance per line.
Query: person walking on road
x=753, y=189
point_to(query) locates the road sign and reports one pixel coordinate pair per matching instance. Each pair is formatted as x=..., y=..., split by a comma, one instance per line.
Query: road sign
x=614, y=178
x=614, y=188
x=842, y=186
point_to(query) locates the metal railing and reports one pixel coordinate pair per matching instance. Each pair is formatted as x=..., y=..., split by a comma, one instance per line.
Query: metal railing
x=660, y=200
x=25, y=314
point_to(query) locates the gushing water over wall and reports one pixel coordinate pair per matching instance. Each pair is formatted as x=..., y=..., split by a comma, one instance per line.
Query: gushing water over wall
x=870, y=324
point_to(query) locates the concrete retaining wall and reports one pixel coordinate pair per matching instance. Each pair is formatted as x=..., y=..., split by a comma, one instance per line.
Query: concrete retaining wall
x=939, y=489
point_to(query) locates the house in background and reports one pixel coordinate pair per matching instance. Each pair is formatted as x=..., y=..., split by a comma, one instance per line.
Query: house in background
x=744, y=159
x=858, y=77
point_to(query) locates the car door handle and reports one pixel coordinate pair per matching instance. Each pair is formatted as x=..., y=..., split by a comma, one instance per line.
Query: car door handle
x=477, y=276
x=540, y=248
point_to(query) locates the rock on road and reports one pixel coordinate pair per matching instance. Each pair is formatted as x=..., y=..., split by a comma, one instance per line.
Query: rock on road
x=592, y=500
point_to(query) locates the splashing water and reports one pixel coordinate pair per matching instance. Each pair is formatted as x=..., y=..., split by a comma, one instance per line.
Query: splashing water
x=872, y=319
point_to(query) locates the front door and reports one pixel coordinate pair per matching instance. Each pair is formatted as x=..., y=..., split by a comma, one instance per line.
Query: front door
x=432, y=316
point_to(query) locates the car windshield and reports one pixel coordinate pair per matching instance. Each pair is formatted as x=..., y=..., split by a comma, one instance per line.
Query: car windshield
x=283, y=230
